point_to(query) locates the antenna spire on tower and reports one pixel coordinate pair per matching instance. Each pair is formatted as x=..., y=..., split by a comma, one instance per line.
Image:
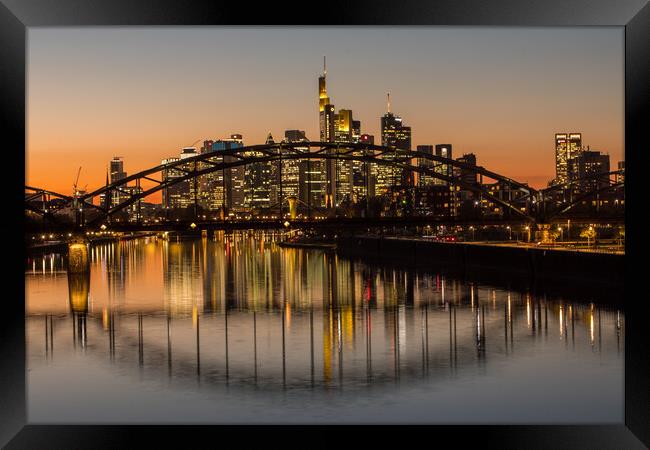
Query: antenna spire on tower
x=388, y=95
x=324, y=65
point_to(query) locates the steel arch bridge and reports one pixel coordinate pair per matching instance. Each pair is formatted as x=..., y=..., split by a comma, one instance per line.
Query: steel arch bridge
x=192, y=168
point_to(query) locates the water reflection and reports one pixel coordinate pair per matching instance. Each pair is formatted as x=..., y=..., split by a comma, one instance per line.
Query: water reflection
x=238, y=310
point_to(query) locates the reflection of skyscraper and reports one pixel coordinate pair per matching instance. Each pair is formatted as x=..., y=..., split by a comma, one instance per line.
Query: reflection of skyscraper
x=183, y=288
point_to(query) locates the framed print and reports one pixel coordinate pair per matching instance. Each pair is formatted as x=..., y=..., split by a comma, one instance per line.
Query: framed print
x=239, y=221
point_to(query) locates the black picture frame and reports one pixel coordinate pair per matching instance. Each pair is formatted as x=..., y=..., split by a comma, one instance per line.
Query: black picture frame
x=17, y=15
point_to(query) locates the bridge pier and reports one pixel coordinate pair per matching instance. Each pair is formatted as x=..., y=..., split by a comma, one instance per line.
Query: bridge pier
x=293, y=207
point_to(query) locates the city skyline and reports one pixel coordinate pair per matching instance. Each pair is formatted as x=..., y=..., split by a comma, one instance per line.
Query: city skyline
x=56, y=109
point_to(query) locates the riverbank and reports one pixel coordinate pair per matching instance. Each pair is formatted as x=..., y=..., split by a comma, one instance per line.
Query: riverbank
x=539, y=264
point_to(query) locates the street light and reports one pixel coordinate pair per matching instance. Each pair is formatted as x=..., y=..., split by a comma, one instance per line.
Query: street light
x=472, y=229
x=509, y=232
x=528, y=231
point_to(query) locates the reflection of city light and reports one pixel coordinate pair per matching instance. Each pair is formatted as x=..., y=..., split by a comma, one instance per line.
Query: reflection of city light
x=561, y=321
x=105, y=319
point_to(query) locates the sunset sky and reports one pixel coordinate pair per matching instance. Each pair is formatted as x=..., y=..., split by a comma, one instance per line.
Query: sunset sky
x=143, y=93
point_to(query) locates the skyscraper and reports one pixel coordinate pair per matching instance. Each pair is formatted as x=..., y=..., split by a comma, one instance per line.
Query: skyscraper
x=466, y=175
x=396, y=135
x=311, y=174
x=290, y=167
x=567, y=146
x=325, y=108
x=444, y=151
x=258, y=181
x=425, y=179
x=217, y=188
x=586, y=166
x=117, y=173
x=326, y=119
x=343, y=132
x=172, y=195
x=620, y=177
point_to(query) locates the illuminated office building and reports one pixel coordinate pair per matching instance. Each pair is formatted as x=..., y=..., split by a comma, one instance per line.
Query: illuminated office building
x=134, y=210
x=257, y=193
x=443, y=151
x=343, y=132
x=172, y=195
x=364, y=175
x=326, y=122
x=586, y=166
x=217, y=190
x=117, y=173
x=325, y=109
x=620, y=177
x=312, y=183
x=423, y=178
x=567, y=146
x=291, y=167
x=356, y=130
x=396, y=135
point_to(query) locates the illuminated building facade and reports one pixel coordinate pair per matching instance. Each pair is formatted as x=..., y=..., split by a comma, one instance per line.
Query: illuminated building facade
x=326, y=122
x=364, y=175
x=217, y=189
x=117, y=173
x=567, y=146
x=443, y=151
x=588, y=164
x=172, y=195
x=396, y=135
x=343, y=132
x=291, y=167
x=620, y=177
x=258, y=181
x=424, y=179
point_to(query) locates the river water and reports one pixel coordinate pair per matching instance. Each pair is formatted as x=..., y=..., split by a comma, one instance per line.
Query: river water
x=235, y=329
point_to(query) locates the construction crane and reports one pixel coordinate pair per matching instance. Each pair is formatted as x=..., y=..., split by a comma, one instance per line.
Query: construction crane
x=195, y=142
x=74, y=186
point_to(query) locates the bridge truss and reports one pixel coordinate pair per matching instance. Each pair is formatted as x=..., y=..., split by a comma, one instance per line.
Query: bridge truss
x=191, y=169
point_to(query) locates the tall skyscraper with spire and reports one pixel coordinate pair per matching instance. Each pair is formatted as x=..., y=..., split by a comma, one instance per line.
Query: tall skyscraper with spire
x=326, y=121
x=325, y=108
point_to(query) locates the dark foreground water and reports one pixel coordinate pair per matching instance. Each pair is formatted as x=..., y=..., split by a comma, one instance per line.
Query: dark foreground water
x=235, y=329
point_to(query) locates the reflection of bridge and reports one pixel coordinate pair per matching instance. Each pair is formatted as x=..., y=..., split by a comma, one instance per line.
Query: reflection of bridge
x=394, y=343
x=522, y=202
